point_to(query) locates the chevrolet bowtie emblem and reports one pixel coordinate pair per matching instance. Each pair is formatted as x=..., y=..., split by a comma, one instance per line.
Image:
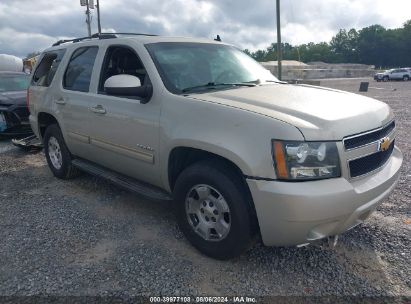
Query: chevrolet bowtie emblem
x=384, y=144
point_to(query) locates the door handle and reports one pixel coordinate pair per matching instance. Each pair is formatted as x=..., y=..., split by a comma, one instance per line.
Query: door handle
x=60, y=101
x=98, y=109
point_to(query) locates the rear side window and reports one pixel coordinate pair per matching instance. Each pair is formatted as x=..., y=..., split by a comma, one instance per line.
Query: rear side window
x=45, y=71
x=78, y=73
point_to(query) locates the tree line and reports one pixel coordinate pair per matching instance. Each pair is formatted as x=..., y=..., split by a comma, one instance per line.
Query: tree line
x=373, y=45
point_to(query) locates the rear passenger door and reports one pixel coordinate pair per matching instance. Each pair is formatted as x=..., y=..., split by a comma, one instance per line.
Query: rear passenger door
x=73, y=100
x=403, y=73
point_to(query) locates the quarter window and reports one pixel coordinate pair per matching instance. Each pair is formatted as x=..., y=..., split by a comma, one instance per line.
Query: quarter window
x=79, y=69
x=44, y=74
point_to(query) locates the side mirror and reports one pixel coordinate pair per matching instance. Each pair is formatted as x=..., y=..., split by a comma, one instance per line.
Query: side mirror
x=126, y=85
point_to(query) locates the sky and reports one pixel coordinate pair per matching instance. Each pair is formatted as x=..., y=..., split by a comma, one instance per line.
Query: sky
x=33, y=25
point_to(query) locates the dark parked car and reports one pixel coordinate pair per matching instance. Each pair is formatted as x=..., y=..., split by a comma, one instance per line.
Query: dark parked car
x=13, y=106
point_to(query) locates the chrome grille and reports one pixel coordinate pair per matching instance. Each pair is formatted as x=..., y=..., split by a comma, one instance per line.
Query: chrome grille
x=356, y=141
x=369, y=163
x=368, y=151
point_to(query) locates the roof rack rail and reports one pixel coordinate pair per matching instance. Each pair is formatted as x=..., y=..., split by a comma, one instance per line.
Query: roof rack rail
x=104, y=35
x=100, y=36
x=70, y=40
x=60, y=42
x=133, y=34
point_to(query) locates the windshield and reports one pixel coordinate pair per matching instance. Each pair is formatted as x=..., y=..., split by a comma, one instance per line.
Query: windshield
x=13, y=82
x=185, y=66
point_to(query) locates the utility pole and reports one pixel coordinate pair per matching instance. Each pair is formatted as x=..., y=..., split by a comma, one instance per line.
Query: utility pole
x=279, y=50
x=98, y=17
x=88, y=20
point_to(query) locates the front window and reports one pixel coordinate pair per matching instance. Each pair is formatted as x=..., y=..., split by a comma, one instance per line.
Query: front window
x=122, y=60
x=198, y=66
x=17, y=82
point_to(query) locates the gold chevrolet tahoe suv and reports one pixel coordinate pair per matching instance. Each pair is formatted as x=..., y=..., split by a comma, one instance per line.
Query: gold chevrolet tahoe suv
x=200, y=123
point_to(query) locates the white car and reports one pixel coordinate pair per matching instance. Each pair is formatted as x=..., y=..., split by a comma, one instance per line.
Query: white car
x=394, y=74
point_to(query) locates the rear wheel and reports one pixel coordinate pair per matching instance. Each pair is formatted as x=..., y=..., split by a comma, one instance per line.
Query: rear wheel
x=212, y=210
x=57, y=154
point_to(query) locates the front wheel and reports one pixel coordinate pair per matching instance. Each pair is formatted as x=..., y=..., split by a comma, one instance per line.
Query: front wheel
x=385, y=78
x=57, y=154
x=406, y=78
x=213, y=210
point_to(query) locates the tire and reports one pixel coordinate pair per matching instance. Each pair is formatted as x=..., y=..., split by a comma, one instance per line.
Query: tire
x=406, y=78
x=215, y=179
x=57, y=154
x=385, y=78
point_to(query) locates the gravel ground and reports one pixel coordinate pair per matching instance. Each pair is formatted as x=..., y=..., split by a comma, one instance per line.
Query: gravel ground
x=85, y=237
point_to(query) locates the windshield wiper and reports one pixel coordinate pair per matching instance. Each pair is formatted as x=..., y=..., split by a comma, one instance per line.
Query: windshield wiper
x=277, y=81
x=212, y=85
x=259, y=81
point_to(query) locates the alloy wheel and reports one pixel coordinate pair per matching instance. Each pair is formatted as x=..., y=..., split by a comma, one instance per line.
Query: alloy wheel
x=54, y=152
x=208, y=213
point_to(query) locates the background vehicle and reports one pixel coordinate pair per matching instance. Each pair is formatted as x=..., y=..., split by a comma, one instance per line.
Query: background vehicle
x=394, y=74
x=14, y=114
x=201, y=123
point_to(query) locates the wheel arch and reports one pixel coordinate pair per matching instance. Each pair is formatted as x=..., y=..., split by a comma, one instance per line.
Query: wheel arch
x=45, y=119
x=181, y=157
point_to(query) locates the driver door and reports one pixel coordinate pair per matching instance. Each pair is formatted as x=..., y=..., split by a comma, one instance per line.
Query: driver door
x=124, y=132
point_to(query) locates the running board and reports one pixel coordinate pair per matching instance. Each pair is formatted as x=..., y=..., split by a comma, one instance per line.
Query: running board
x=122, y=180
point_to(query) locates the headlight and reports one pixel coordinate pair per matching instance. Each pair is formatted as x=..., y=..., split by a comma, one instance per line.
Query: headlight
x=306, y=160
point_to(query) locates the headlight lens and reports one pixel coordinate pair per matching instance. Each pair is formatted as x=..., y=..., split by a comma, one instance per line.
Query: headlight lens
x=306, y=160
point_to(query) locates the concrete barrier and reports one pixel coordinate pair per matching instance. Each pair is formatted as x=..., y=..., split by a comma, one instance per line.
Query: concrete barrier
x=321, y=70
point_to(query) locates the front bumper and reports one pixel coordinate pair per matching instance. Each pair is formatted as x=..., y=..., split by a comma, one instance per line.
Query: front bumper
x=14, y=120
x=293, y=213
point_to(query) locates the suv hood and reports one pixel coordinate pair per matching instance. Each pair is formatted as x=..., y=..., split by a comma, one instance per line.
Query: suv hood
x=319, y=113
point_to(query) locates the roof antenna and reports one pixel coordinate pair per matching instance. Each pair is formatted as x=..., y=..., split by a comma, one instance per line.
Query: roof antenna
x=218, y=38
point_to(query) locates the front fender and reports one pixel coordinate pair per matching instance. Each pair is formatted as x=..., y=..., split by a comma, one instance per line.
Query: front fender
x=240, y=136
